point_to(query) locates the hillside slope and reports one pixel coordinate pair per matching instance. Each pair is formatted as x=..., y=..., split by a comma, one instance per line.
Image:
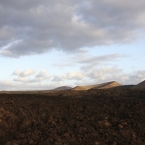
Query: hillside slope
x=141, y=85
x=63, y=88
x=106, y=85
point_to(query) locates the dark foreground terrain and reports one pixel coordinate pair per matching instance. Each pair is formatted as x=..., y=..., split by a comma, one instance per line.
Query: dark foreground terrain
x=94, y=117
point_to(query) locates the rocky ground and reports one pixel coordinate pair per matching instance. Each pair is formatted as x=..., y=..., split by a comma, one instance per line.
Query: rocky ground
x=94, y=117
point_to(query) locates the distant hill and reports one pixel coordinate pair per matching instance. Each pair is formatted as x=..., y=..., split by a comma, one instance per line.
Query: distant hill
x=84, y=87
x=63, y=88
x=106, y=85
x=141, y=85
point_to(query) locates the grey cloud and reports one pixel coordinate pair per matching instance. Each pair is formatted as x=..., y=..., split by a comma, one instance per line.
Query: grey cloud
x=42, y=75
x=57, y=79
x=102, y=58
x=113, y=14
x=37, y=26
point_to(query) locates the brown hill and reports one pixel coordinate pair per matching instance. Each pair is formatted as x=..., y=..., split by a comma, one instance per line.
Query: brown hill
x=106, y=85
x=79, y=88
x=140, y=85
x=85, y=87
x=63, y=88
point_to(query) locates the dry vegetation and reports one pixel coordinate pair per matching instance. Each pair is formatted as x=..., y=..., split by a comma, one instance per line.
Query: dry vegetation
x=94, y=117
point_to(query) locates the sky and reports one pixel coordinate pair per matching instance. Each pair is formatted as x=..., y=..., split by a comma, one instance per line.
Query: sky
x=46, y=44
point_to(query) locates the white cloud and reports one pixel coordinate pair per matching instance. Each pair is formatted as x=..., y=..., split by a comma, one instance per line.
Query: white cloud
x=102, y=72
x=28, y=76
x=106, y=74
x=28, y=80
x=94, y=76
x=27, y=72
x=136, y=76
x=24, y=73
x=69, y=76
x=73, y=76
x=16, y=72
x=20, y=79
x=8, y=85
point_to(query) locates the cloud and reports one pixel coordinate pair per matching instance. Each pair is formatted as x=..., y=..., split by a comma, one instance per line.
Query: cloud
x=16, y=72
x=136, y=76
x=5, y=84
x=94, y=68
x=8, y=85
x=73, y=76
x=100, y=75
x=89, y=61
x=114, y=15
x=69, y=76
x=100, y=59
x=27, y=80
x=37, y=26
x=42, y=75
x=91, y=74
x=57, y=79
x=27, y=76
x=106, y=74
x=24, y=73
x=43, y=81
x=27, y=72
x=20, y=79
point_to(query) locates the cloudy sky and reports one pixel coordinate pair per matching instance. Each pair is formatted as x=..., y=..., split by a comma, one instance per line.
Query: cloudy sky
x=50, y=43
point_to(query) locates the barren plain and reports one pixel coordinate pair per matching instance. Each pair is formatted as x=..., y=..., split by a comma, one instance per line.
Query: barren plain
x=90, y=117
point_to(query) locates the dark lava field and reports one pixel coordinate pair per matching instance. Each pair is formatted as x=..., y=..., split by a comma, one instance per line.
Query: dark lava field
x=93, y=117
